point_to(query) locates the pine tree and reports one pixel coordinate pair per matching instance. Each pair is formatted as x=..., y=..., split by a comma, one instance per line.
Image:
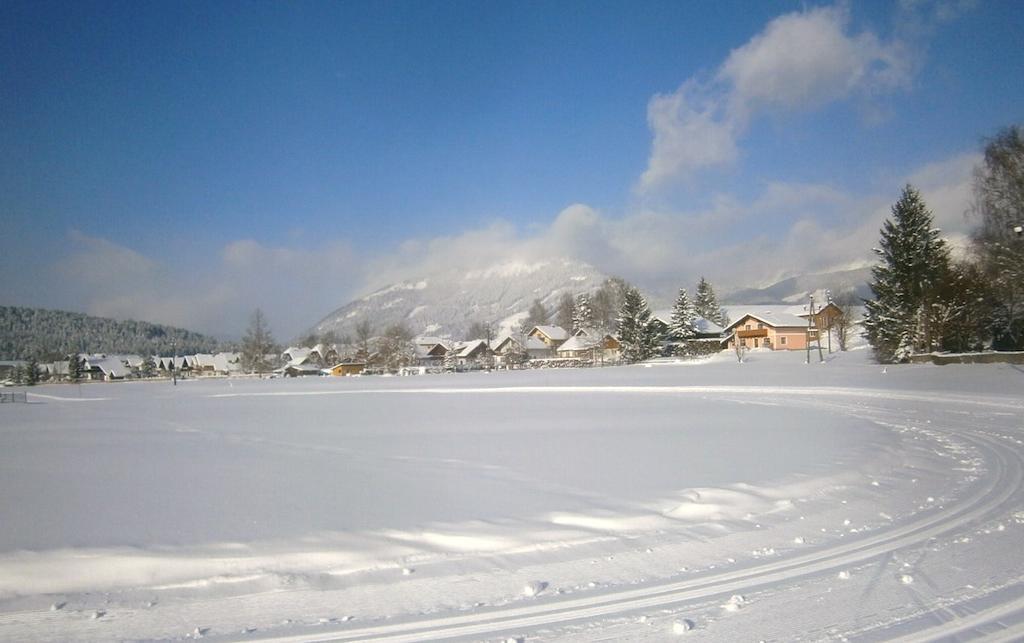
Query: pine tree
x=148, y=367
x=636, y=334
x=32, y=372
x=914, y=264
x=705, y=303
x=257, y=344
x=684, y=317
x=582, y=314
x=74, y=368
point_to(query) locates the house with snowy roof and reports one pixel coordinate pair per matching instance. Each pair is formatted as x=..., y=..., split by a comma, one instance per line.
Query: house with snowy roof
x=296, y=355
x=590, y=345
x=430, y=351
x=551, y=336
x=772, y=327
x=473, y=352
x=102, y=367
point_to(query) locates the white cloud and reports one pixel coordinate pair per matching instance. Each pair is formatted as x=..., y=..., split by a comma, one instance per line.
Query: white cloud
x=784, y=230
x=803, y=60
x=799, y=61
x=292, y=285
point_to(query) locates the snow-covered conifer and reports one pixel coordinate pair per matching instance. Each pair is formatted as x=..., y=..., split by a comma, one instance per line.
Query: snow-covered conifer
x=914, y=263
x=705, y=303
x=582, y=314
x=684, y=316
x=638, y=340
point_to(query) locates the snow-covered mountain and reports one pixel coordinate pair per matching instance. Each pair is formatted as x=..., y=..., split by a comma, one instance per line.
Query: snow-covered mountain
x=795, y=290
x=448, y=302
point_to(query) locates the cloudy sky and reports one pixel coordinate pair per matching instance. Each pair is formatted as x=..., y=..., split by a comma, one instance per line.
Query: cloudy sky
x=187, y=162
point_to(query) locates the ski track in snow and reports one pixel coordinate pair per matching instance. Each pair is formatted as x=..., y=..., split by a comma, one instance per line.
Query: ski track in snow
x=997, y=493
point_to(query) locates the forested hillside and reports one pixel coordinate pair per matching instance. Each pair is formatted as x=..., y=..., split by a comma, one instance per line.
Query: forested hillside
x=52, y=334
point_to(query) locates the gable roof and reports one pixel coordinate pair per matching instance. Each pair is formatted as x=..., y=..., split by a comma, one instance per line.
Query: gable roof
x=467, y=349
x=555, y=333
x=579, y=343
x=771, y=317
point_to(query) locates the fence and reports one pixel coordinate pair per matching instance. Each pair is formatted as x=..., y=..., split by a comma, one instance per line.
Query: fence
x=970, y=358
x=13, y=396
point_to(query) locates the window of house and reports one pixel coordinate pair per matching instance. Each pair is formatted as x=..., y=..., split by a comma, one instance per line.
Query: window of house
x=760, y=325
x=747, y=327
x=782, y=340
x=743, y=341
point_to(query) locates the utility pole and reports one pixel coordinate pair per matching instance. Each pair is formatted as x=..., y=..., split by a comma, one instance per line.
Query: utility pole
x=812, y=328
x=828, y=302
x=174, y=363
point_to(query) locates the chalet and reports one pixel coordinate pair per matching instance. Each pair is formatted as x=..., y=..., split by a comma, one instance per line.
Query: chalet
x=551, y=336
x=297, y=356
x=591, y=345
x=769, y=327
x=473, y=352
x=430, y=351
x=346, y=368
x=579, y=346
x=299, y=370
x=102, y=367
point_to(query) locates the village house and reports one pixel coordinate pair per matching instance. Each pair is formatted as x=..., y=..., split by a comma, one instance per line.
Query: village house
x=551, y=336
x=770, y=327
x=430, y=351
x=346, y=368
x=473, y=353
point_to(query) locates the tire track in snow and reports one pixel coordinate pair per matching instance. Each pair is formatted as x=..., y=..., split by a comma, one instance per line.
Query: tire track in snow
x=988, y=499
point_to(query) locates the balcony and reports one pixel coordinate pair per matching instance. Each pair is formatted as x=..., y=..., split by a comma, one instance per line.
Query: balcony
x=754, y=332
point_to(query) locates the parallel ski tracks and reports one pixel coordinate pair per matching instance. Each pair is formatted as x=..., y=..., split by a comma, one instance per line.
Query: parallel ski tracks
x=987, y=499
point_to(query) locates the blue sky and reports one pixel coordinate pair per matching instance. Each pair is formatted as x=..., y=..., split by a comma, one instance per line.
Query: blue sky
x=186, y=162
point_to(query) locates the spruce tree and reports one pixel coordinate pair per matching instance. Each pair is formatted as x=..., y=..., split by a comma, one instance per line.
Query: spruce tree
x=582, y=314
x=684, y=317
x=636, y=334
x=32, y=372
x=907, y=281
x=706, y=305
x=74, y=368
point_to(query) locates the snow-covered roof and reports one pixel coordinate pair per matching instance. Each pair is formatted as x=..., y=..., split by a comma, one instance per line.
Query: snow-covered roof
x=132, y=361
x=535, y=344
x=111, y=366
x=664, y=316
x=556, y=333
x=467, y=349
x=296, y=356
x=707, y=327
x=774, y=316
x=578, y=343
x=701, y=325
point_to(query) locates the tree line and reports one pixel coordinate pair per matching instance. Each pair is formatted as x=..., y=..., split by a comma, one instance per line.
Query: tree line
x=927, y=299
x=50, y=335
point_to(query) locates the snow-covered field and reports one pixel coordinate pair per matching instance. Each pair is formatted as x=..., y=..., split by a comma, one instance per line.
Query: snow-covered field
x=771, y=500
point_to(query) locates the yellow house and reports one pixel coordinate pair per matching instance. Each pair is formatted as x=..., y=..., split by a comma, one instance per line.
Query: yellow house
x=348, y=368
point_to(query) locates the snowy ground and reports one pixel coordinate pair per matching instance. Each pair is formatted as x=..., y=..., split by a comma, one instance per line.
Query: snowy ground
x=771, y=500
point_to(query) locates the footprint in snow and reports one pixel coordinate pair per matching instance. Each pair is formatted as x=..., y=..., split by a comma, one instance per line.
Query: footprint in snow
x=844, y=575
x=735, y=603
x=57, y=606
x=682, y=626
x=98, y=614
x=533, y=588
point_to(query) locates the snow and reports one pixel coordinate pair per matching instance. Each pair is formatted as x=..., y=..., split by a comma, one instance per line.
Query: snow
x=616, y=503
